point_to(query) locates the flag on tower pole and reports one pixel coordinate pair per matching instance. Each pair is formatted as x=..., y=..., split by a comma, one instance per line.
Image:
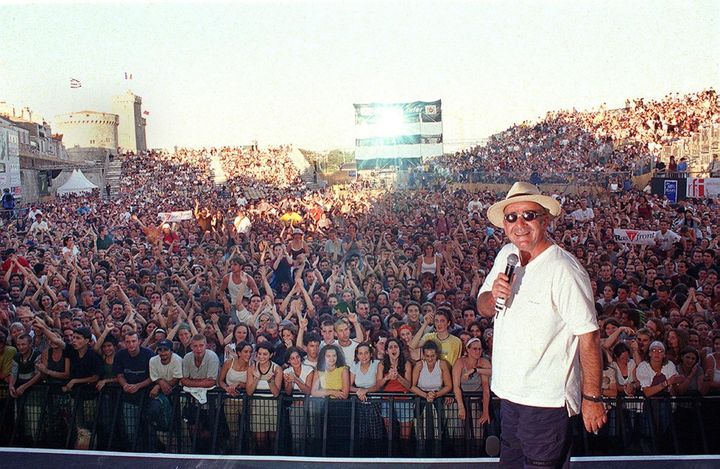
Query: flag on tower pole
x=146, y=113
x=128, y=76
x=75, y=83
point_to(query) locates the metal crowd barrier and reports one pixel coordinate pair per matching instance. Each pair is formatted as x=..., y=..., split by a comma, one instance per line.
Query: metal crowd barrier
x=387, y=425
x=600, y=178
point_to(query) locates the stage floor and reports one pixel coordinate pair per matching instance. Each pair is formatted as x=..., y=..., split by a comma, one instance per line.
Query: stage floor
x=66, y=459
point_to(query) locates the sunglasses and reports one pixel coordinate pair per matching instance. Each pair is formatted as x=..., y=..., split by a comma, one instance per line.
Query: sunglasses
x=528, y=215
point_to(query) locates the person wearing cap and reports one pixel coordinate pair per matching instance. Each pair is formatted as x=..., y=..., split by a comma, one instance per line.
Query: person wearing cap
x=132, y=367
x=657, y=374
x=165, y=369
x=549, y=310
x=165, y=373
x=170, y=238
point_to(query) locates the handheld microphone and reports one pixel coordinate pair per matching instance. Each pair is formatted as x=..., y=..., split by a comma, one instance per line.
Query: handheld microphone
x=512, y=262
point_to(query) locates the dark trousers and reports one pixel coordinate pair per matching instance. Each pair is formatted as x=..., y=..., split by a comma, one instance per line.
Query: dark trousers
x=534, y=436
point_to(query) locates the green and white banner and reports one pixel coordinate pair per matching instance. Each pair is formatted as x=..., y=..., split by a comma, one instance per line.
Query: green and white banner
x=397, y=134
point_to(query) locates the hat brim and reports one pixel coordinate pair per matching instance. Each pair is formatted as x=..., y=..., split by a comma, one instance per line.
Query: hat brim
x=495, y=212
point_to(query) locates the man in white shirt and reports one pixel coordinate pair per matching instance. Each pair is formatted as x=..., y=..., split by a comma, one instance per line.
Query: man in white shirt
x=33, y=211
x=39, y=226
x=242, y=223
x=342, y=331
x=475, y=206
x=547, y=306
x=664, y=237
x=165, y=369
x=583, y=214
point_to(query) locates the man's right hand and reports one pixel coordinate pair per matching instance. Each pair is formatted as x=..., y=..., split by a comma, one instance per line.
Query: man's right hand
x=501, y=287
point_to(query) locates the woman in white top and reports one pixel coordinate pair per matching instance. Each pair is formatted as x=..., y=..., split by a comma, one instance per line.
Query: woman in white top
x=298, y=377
x=240, y=333
x=233, y=378
x=626, y=384
x=624, y=366
x=431, y=379
x=657, y=374
x=430, y=261
x=363, y=380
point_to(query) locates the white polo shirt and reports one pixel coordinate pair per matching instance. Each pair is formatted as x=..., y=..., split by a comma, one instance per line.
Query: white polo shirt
x=535, y=342
x=167, y=372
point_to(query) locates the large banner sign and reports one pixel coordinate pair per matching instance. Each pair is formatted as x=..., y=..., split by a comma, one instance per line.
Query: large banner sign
x=634, y=236
x=176, y=216
x=671, y=190
x=397, y=135
x=703, y=188
x=417, y=111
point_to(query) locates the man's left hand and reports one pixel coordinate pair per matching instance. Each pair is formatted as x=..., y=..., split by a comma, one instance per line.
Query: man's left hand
x=593, y=414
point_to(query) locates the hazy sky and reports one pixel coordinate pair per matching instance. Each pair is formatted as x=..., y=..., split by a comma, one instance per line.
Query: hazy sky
x=289, y=72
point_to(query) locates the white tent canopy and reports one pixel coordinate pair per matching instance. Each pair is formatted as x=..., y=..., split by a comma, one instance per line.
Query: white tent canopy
x=76, y=184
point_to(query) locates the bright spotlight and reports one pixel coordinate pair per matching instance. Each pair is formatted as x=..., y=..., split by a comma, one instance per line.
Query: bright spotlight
x=390, y=121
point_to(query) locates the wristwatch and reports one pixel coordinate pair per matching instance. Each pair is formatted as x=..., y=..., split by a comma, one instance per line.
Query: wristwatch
x=592, y=398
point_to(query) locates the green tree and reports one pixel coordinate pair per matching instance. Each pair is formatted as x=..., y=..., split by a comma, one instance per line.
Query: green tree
x=329, y=162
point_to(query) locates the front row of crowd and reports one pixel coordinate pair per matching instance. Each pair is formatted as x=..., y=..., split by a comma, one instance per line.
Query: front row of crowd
x=424, y=354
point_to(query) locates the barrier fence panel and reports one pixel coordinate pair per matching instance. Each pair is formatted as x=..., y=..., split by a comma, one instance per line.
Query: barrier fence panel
x=384, y=425
x=603, y=179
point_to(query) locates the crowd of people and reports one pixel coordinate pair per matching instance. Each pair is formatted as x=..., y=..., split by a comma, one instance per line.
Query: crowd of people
x=263, y=287
x=582, y=146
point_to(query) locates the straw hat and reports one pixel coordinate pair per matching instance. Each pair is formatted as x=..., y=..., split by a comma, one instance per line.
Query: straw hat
x=521, y=192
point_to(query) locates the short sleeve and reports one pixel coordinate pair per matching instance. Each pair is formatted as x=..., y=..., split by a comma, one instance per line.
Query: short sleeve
x=644, y=374
x=213, y=365
x=497, y=268
x=185, y=368
x=670, y=369
x=572, y=296
x=153, y=368
x=177, y=371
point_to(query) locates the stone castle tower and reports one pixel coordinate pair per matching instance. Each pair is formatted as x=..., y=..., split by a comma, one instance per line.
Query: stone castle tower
x=131, y=125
